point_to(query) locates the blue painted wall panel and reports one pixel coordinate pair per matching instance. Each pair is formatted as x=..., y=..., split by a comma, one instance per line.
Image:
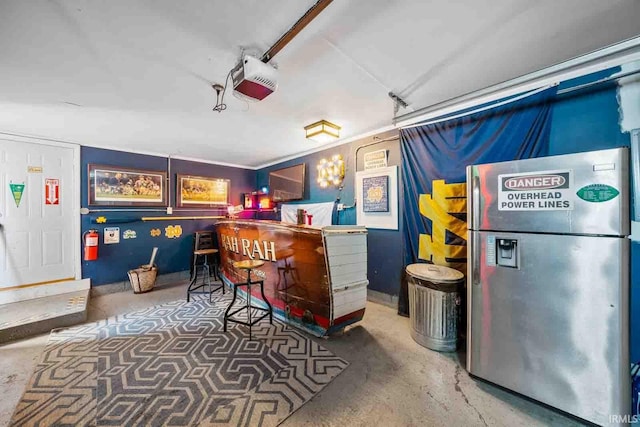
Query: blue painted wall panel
x=588, y=120
x=634, y=321
x=313, y=192
x=384, y=246
x=385, y=262
x=173, y=254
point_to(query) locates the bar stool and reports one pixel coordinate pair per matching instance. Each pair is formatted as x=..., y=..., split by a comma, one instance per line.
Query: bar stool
x=248, y=265
x=288, y=277
x=204, y=240
x=203, y=247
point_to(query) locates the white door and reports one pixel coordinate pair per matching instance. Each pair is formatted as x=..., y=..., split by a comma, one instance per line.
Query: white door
x=37, y=244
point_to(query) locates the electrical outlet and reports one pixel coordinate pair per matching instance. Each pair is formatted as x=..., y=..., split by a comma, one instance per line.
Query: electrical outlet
x=340, y=206
x=169, y=210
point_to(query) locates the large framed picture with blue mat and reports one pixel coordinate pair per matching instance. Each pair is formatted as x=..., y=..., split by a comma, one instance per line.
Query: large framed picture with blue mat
x=120, y=186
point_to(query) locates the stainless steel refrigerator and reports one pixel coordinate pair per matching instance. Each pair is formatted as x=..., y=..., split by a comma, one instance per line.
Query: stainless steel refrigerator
x=548, y=280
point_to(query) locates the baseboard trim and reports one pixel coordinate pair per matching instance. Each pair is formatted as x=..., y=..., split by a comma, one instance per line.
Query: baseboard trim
x=382, y=298
x=125, y=286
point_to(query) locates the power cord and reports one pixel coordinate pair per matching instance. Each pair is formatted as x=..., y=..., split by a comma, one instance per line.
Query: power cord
x=220, y=105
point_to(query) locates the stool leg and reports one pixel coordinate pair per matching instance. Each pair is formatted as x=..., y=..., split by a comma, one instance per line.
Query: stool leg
x=194, y=276
x=209, y=262
x=216, y=272
x=266, y=301
x=193, y=266
x=249, y=300
x=226, y=313
x=249, y=308
x=205, y=267
x=206, y=275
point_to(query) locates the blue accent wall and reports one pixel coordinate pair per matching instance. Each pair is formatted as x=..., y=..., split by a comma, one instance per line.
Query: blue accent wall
x=173, y=254
x=587, y=120
x=312, y=191
x=384, y=246
x=635, y=302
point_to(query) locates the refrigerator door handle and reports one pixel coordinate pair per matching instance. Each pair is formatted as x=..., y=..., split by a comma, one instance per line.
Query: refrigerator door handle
x=475, y=258
x=473, y=193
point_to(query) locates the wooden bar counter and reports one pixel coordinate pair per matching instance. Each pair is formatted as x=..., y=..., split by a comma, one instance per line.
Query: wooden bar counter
x=315, y=278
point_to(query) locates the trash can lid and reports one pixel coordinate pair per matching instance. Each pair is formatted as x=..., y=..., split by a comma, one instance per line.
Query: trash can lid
x=434, y=273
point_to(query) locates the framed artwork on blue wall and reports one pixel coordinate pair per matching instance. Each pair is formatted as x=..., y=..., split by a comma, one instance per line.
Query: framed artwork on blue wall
x=375, y=194
x=118, y=186
x=377, y=198
x=201, y=191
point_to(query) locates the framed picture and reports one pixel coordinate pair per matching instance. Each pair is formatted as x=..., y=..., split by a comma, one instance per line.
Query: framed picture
x=118, y=186
x=375, y=194
x=377, y=198
x=201, y=191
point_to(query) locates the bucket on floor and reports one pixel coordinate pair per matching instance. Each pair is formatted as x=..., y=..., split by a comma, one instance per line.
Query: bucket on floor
x=143, y=279
x=434, y=305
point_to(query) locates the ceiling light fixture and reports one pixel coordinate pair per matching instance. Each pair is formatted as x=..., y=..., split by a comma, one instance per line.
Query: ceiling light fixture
x=322, y=131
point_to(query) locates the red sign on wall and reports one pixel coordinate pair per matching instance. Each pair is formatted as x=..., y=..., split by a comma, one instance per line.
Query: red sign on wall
x=52, y=191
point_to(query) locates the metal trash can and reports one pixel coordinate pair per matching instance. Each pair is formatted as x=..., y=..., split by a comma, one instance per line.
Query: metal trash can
x=434, y=305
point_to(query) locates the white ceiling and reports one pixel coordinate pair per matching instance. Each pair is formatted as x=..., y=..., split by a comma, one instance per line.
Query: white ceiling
x=135, y=75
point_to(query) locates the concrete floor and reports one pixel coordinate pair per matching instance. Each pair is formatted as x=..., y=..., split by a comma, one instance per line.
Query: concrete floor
x=392, y=381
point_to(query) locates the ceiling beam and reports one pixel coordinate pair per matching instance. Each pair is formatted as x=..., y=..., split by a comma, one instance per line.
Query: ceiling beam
x=293, y=31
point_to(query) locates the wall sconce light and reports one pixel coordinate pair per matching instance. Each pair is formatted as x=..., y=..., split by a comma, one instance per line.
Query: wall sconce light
x=322, y=131
x=331, y=171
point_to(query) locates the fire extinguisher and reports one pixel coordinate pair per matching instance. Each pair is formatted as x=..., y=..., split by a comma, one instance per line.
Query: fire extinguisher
x=90, y=240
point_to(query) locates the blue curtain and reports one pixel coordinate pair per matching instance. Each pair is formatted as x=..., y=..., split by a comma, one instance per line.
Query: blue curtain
x=441, y=151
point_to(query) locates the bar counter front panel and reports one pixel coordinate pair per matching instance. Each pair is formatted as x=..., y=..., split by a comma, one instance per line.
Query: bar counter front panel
x=314, y=278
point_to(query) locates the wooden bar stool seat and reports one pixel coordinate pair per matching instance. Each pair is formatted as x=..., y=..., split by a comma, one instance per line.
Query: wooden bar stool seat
x=205, y=252
x=228, y=315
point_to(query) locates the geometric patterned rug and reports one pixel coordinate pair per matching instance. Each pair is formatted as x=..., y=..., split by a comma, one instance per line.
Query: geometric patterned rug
x=172, y=365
